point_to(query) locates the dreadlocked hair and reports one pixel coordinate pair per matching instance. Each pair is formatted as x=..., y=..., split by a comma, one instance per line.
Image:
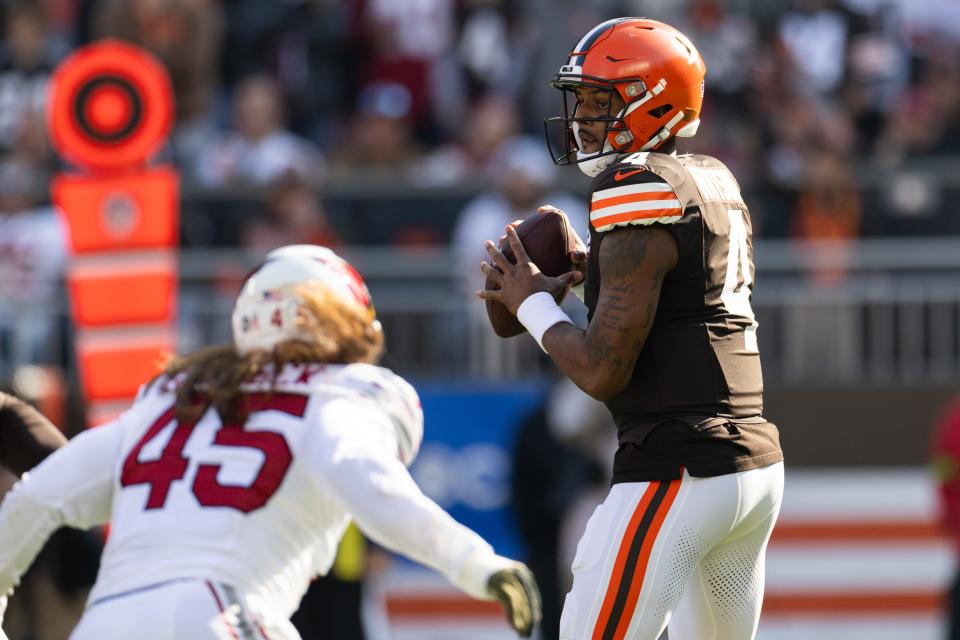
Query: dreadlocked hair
x=339, y=333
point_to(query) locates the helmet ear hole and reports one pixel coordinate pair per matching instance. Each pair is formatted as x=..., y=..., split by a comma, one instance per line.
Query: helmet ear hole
x=659, y=112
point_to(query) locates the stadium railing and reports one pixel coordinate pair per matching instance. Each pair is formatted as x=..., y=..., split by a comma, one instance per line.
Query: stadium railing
x=871, y=311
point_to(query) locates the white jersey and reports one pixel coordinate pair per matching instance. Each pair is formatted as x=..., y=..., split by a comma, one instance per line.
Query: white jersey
x=259, y=506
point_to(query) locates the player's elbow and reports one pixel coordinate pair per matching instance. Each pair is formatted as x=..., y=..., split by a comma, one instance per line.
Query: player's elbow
x=603, y=386
x=27, y=508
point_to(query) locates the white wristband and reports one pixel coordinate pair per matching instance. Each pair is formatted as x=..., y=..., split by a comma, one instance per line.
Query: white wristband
x=538, y=313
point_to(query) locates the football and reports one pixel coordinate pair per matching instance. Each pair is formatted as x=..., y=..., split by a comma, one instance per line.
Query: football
x=548, y=241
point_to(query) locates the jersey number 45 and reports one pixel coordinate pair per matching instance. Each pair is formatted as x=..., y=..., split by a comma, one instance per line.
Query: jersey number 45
x=172, y=465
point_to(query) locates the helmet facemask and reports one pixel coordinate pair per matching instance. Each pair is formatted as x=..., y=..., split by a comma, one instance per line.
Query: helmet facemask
x=617, y=137
x=562, y=133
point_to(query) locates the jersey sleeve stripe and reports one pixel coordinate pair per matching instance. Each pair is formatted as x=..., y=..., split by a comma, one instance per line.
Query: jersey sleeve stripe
x=636, y=197
x=648, y=217
x=627, y=189
x=641, y=208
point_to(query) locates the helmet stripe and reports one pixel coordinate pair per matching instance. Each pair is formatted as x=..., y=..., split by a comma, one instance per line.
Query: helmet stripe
x=579, y=52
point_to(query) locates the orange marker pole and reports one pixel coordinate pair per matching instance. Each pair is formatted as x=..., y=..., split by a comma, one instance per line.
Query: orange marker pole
x=110, y=111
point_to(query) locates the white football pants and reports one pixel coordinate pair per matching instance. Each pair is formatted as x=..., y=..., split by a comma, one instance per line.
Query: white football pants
x=688, y=552
x=178, y=610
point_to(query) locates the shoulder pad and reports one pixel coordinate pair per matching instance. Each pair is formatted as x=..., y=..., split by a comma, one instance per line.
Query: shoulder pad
x=160, y=384
x=712, y=179
x=633, y=192
x=394, y=396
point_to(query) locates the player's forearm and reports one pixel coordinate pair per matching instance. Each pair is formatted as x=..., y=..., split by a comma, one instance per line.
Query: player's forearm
x=432, y=538
x=25, y=525
x=388, y=507
x=588, y=360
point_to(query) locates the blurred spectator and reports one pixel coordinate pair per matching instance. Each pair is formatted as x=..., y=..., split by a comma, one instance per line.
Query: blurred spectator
x=294, y=215
x=912, y=129
x=495, y=47
x=408, y=42
x=381, y=134
x=260, y=149
x=726, y=39
x=828, y=206
x=817, y=33
x=185, y=35
x=878, y=71
x=945, y=462
x=490, y=122
x=926, y=120
x=523, y=177
x=309, y=46
x=32, y=248
x=27, y=57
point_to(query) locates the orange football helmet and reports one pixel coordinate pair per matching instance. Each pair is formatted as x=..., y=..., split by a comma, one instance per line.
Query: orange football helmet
x=653, y=67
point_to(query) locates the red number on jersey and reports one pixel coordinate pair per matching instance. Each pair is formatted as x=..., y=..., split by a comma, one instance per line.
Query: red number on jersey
x=276, y=458
x=172, y=464
x=159, y=473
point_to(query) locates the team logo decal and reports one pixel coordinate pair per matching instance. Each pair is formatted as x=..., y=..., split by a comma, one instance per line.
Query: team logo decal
x=120, y=215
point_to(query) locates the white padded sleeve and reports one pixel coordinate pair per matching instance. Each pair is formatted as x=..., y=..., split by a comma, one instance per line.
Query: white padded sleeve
x=353, y=458
x=73, y=487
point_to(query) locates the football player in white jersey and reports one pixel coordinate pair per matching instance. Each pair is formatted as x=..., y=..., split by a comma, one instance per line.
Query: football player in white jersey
x=231, y=479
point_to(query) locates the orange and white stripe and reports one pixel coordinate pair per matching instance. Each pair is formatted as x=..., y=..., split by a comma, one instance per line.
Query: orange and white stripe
x=633, y=556
x=641, y=204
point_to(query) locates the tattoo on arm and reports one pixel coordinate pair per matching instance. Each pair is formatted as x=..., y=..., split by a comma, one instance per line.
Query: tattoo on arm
x=620, y=307
x=625, y=250
x=601, y=358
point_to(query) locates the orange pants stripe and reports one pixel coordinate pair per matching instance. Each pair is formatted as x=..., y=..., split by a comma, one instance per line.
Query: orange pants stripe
x=633, y=555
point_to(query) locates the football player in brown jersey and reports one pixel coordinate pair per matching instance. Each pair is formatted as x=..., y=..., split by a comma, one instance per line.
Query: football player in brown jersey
x=670, y=347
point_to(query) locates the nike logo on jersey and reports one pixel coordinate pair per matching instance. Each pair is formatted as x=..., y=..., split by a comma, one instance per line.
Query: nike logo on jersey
x=620, y=175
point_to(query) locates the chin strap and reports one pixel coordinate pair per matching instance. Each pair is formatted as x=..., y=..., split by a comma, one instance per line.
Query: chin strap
x=592, y=163
x=593, y=166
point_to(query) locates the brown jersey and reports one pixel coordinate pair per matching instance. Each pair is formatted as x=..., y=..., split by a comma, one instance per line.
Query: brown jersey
x=695, y=396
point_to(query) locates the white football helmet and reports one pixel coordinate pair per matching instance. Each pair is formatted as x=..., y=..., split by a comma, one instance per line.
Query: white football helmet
x=266, y=311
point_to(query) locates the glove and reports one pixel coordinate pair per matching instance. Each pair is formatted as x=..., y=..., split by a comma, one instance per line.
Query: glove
x=517, y=591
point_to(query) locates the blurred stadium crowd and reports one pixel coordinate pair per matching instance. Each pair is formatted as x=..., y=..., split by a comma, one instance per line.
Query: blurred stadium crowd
x=418, y=123
x=807, y=100
x=381, y=121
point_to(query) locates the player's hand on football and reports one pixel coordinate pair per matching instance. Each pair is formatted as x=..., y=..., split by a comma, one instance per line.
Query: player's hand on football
x=578, y=257
x=517, y=591
x=502, y=240
x=519, y=281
